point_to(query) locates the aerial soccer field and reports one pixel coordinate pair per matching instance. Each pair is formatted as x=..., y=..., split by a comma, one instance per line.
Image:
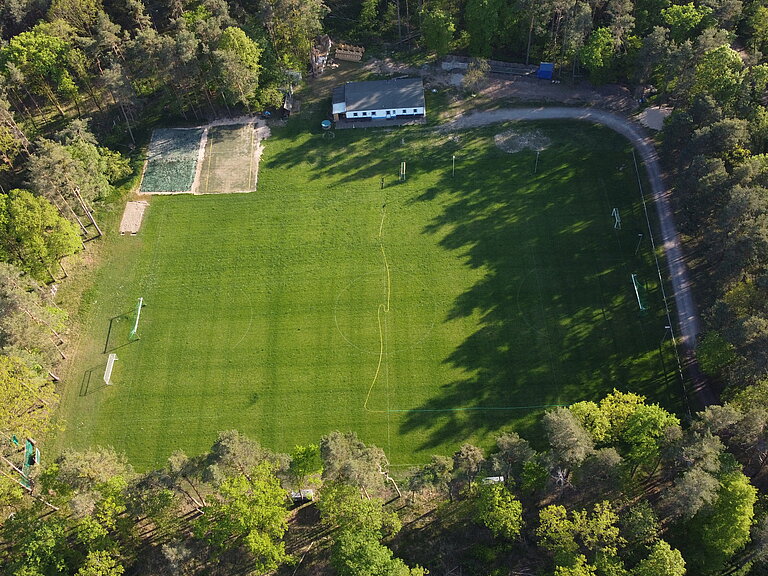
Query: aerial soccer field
x=422, y=314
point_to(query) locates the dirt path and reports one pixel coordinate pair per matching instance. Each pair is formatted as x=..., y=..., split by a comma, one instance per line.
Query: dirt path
x=687, y=315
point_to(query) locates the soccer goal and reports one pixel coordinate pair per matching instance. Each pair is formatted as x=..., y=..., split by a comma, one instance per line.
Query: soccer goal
x=108, y=371
x=134, y=331
x=639, y=293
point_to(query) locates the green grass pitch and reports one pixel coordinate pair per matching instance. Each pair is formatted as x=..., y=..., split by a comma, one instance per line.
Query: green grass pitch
x=429, y=313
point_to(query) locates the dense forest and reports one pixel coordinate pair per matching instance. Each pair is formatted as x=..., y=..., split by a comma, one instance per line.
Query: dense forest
x=615, y=487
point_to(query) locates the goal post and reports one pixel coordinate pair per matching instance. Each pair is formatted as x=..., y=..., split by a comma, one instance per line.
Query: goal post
x=616, y=219
x=639, y=293
x=108, y=371
x=135, y=329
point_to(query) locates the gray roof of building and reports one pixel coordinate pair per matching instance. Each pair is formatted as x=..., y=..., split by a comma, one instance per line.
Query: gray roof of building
x=338, y=95
x=384, y=94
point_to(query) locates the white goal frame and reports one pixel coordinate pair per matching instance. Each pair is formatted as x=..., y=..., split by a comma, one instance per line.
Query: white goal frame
x=108, y=371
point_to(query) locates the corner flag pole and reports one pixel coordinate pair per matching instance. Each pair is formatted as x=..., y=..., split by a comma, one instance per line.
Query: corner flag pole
x=132, y=335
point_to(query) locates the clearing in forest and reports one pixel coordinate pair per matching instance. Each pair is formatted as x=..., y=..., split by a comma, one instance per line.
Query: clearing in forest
x=434, y=311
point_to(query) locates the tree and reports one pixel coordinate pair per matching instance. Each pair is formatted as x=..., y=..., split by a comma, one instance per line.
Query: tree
x=644, y=435
x=237, y=58
x=42, y=59
x=360, y=523
x=80, y=14
x=511, y=455
x=607, y=420
x=248, y=510
x=757, y=25
x=499, y=511
x=640, y=526
x=570, y=442
x=600, y=473
x=30, y=325
x=579, y=567
x=557, y=533
x=357, y=554
x=122, y=92
x=347, y=459
x=438, y=28
x=663, y=560
x=32, y=234
x=40, y=544
x=341, y=506
x=722, y=530
x=27, y=399
x=692, y=491
x=104, y=165
x=235, y=453
x=566, y=536
x=467, y=462
x=685, y=20
x=436, y=475
x=476, y=72
x=714, y=353
x=12, y=138
x=597, y=54
x=305, y=460
x=367, y=22
x=89, y=472
x=481, y=19
x=101, y=563
x=291, y=25
x=719, y=73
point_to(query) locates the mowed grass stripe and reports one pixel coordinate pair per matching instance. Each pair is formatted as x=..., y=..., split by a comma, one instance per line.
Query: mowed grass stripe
x=509, y=291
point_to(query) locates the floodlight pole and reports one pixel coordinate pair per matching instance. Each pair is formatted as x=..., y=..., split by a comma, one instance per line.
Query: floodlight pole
x=536, y=166
x=640, y=239
x=453, y=166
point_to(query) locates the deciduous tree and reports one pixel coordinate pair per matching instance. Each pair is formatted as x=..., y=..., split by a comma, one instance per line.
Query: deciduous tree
x=499, y=511
x=438, y=28
x=248, y=509
x=663, y=560
x=33, y=235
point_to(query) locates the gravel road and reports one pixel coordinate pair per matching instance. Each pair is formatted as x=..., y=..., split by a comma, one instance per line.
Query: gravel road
x=688, y=324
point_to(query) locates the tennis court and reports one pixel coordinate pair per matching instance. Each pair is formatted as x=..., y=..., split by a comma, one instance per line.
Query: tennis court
x=231, y=160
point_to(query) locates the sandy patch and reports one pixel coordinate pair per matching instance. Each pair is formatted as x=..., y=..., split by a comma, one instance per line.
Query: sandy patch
x=132, y=216
x=513, y=141
x=654, y=117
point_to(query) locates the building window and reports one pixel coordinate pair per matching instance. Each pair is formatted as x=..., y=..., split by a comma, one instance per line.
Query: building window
x=415, y=110
x=365, y=113
x=354, y=113
x=405, y=111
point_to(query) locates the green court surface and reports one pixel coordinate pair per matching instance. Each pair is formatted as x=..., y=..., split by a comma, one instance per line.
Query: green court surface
x=171, y=160
x=432, y=312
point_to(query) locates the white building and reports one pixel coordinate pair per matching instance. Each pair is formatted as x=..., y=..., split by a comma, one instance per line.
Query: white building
x=401, y=98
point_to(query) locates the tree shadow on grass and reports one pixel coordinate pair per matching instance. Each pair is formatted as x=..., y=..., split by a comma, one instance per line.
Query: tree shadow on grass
x=557, y=320
x=352, y=155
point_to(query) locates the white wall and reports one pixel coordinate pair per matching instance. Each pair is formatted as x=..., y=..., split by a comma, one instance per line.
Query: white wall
x=382, y=114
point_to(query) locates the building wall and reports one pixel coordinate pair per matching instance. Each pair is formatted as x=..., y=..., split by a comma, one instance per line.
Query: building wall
x=382, y=114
